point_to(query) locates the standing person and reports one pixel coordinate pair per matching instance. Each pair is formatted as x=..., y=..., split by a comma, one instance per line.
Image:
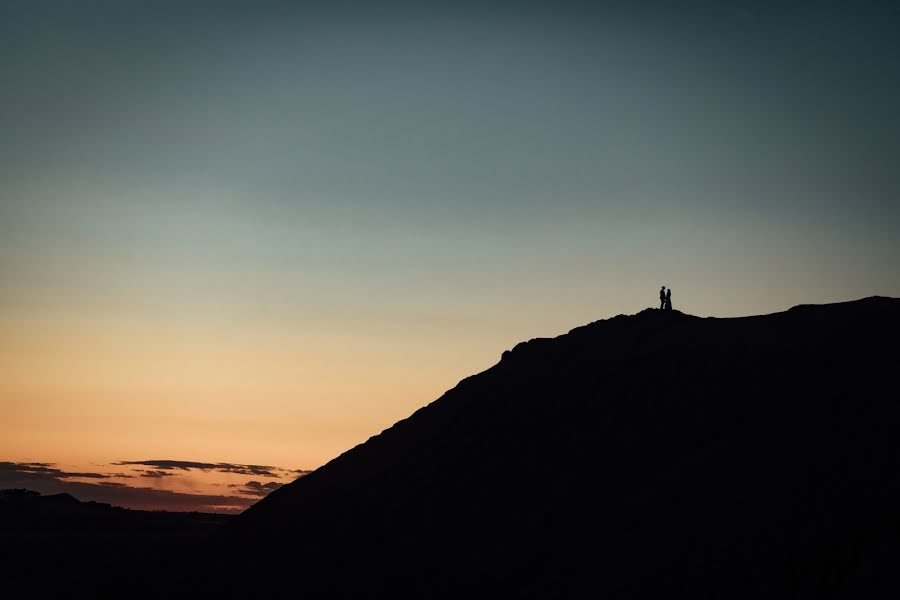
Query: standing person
x=669, y=299
x=662, y=298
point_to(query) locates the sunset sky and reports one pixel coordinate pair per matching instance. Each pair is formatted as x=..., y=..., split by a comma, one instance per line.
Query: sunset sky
x=238, y=238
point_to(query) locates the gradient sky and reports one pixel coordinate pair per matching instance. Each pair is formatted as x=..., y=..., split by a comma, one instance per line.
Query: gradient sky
x=258, y=233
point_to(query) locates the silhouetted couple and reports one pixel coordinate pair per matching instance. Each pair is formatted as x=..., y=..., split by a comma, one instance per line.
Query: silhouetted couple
x=665, y=299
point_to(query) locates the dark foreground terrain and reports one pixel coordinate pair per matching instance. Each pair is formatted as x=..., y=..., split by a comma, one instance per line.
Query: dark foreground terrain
x=658, y=455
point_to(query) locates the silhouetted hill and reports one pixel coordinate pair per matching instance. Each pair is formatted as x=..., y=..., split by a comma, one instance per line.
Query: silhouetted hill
x=655, y=455
x=56, y=544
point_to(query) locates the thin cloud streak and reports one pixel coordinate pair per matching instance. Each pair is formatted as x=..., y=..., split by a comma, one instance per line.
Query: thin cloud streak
x=35, y=471
x=154, y=473
x=187, y=465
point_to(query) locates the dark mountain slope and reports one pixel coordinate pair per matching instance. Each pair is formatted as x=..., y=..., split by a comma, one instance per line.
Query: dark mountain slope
x=651, y=454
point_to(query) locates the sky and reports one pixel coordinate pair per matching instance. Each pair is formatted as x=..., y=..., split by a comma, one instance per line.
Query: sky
x=239, y=238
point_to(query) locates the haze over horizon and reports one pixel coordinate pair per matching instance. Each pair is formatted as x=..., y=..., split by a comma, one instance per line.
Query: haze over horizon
x=257, y=233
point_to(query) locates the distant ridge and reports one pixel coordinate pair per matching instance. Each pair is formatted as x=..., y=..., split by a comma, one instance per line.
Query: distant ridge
x=653, y=455
x=57, y=546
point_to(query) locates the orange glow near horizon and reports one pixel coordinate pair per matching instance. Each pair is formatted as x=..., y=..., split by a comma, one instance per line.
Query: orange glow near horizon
x=85, y=394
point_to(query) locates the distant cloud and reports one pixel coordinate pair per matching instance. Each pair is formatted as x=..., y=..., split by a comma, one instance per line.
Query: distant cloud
x=187, y=465
x=32, y=471
x=154, y=473
x=255, y=488
x=48, y=478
